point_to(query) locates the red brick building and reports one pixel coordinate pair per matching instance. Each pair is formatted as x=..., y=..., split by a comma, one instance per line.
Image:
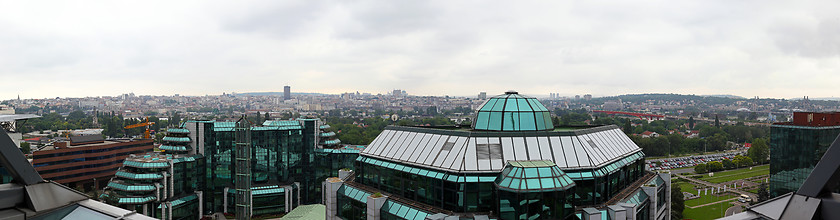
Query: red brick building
x=88, y=161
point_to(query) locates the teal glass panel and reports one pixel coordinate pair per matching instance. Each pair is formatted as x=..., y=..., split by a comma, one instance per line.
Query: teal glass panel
x=548, y=124
x=482, y=119
x=523, y=105
x=545, y=172
x=533, y=183
x=540, y=121
x=403, y=211
x=517, y=173
x=495, y=121
x=411, y=214
x=508, y=121
x=505, y=182
x=526, y=121
x=531, y=173
x=489, y=105
x=536, y=105
x=500, y=105
x=514, y=184
x=515, y=125
x=511, y=105
x=547, y=183
x=472, y=179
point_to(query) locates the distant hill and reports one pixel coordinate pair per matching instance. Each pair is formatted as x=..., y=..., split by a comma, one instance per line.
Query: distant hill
x=726, y=96
x=274, y=94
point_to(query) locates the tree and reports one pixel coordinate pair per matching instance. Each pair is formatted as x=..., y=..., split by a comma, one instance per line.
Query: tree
x=25, y=148
x=746, y=161
x=717, y=122
x=759, y=150
x=176, y=120
x=628, y=128
x=701, y=168
x=763, y=192
x=691, y=122
x=718, y=142
x=714, y=166
x=677, y=202
x=267, y=117
x=728, y=164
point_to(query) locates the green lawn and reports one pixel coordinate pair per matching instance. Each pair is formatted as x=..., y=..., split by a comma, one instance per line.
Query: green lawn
x=706, y=199
x=730, y=175
x=707, y=212
x=687, y=187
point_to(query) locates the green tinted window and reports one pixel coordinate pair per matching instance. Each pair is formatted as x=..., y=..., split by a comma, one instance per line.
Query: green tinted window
x=511, y=105
x=488, y=105
x=527, y=122
x=495, y=121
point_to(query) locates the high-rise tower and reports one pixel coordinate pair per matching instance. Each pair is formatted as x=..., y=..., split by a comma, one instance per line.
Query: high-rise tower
x=287, y=92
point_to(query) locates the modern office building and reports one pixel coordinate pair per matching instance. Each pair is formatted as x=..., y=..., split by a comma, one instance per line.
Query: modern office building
x=236, y=168
x=287, y=92
x=86, y=161
x=797, y=146
x=513, y=163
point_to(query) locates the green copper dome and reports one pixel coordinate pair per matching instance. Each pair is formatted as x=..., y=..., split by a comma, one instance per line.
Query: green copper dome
x=513, y=112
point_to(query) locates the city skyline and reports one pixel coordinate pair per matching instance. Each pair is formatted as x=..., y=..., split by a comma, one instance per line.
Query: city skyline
x=747, y=49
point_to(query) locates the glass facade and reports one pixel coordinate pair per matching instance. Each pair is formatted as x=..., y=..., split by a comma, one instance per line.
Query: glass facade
x=795, y=150
x=138, y=186
x=460, y=192
x=534, y=190
x=596, y=186
x=352, y=203
x=284, y=155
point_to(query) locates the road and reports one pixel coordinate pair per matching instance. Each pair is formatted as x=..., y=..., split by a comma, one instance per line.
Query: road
x=734, y=209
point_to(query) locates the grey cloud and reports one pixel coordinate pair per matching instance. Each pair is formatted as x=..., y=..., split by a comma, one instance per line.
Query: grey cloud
x=809, y=40
x=280, y=19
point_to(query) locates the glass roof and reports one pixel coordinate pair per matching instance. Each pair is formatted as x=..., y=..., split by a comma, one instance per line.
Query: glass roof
x=533, y=176
x=513, y=112
x=176, y=139
x=178, y=130
x=173, y=148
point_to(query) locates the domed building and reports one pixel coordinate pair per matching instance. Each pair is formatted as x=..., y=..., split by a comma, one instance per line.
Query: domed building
x=512, y=163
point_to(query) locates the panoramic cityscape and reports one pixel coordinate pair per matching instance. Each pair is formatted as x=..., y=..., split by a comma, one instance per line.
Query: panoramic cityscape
x=644, y=110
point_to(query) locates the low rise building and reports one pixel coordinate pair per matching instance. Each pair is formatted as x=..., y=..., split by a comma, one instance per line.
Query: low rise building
x=86, y=161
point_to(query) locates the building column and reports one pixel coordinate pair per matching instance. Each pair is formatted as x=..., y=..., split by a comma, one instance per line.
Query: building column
x=617, y=212
x=667, y=177
x=172, y=178
x=374, y=207
x=630, y=210
x=224, y=198
x=330, y=192
x=200, y=203
x=650, y=190
x=165, y=194
x=343, y=174
x=591, y=214
x=169, y=204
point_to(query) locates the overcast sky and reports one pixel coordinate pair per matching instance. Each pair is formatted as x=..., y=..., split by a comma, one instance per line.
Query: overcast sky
x=781, y=49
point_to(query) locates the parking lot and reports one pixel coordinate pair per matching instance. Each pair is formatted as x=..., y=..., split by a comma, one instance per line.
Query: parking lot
x=688, y=161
